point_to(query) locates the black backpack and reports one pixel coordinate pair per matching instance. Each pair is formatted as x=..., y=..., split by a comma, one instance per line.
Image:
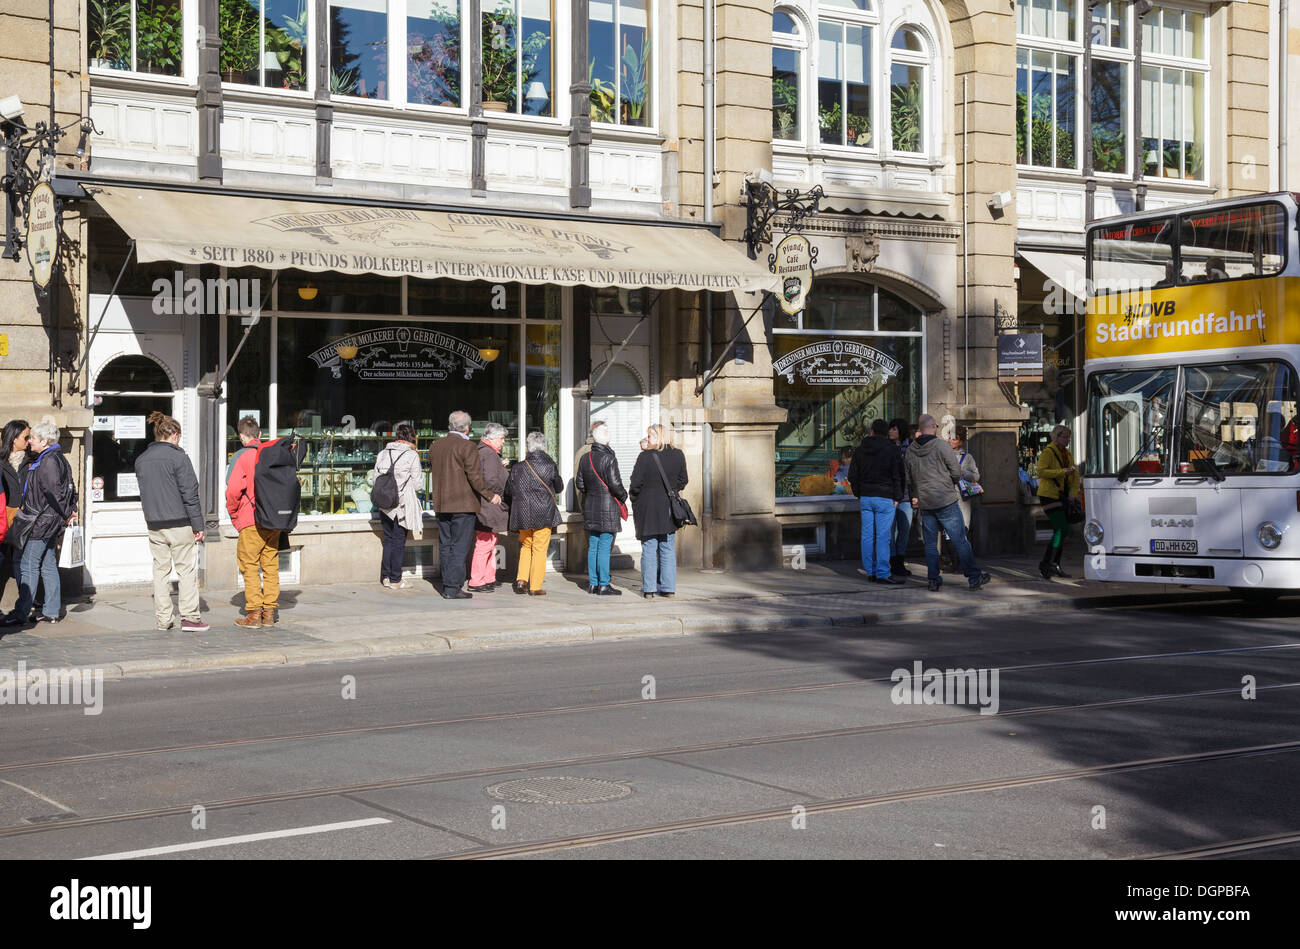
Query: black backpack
x=276, y=490
x=385, y=494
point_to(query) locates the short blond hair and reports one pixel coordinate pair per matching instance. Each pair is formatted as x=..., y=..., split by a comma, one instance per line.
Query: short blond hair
x=661, y=436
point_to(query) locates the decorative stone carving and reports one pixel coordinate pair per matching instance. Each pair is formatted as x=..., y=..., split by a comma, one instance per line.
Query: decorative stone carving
x=862, y=251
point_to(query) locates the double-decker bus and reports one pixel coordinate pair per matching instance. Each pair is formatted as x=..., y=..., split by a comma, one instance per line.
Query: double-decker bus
x=1192, y=470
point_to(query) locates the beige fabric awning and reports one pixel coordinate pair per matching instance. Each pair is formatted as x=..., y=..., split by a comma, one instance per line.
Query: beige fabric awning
x=240, y=231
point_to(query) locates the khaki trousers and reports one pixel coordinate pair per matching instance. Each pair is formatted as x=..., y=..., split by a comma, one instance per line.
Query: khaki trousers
x=532, y=557
x=174, y=546
x=258, y=549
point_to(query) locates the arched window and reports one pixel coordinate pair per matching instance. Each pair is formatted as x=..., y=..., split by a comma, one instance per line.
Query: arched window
x=907, y=91
x=844, y=107
x=788, y=44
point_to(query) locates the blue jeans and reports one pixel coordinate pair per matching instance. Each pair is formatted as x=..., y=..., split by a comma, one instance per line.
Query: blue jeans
x=902, y=528
x=659, y=564
x=598, y=548
x=877, y=521
x=949, y=520
x=40, y=562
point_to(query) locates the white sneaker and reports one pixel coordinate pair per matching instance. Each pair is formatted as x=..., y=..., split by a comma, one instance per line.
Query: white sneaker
x=404, y=585
x=384, y=583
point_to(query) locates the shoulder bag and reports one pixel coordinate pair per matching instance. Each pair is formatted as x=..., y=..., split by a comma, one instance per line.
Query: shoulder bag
x=622, y=508
x=678, y=507
x=555, y=507
x=967, y=489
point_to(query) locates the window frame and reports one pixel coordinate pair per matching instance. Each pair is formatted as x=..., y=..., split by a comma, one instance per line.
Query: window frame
x=869, y=21
x=652, y=85
x=188, y=63
x=1186, y=65
x=309, y=90
x=799, y=45
x=916, y=59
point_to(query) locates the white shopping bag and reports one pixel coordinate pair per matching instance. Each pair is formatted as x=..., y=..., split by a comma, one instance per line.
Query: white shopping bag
x=73, y=551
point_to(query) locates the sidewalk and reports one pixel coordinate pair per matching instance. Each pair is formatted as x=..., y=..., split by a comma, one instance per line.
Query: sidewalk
x=114, y=629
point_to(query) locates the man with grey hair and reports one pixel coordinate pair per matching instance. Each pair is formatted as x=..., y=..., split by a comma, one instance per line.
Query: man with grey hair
x=492, y=518
x=932, y=476
x=456, y=474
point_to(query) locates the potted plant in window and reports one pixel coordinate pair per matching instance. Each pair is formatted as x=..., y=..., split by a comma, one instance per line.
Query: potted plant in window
x=632, y=107
x=1170, y=159
x=343, y=82
x=1195, y=154
x=828, y=120
x=905, y=117
x=158, y=37
x=289, y=44
x=238, y=25
x=1107, y=150
x=785, y=106
x=602, y=96
x=109, y=22
x=499, y=63
x=858, y=130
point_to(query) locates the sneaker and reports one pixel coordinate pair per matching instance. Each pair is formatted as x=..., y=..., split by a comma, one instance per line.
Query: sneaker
x=983, y=579
x=194, y=626
x=609, y=591
x=934, y=585
x=13, y=619
x=386, y=583
x=47, y=619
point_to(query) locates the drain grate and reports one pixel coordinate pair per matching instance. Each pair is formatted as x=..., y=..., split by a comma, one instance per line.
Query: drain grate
x=559, y=790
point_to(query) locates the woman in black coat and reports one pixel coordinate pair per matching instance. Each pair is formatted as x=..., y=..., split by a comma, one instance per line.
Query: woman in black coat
x=653, y=514
x=530, y=492
x=13, y=470
x=603, y=495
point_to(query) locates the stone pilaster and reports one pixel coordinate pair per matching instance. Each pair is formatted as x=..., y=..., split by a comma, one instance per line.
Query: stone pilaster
x=1250, y=50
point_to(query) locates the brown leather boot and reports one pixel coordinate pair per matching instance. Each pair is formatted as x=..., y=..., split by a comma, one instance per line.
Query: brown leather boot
x=253, y=620
x=268, y=617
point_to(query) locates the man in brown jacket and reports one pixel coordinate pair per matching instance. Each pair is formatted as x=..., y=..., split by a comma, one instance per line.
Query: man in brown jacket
x=457, y=487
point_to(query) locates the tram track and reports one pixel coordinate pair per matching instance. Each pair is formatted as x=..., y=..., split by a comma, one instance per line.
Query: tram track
x=873, y=800
x=19, y=830
x=610, y=706
x=1229, y=847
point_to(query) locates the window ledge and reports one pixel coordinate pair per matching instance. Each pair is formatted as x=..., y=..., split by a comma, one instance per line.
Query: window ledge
x=260, y=95
x=140, y=82
x=625, y=133
x=830, y=504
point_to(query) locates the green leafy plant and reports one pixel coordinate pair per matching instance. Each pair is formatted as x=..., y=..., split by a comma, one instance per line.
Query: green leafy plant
x=238, y=24
x=343, y=82
x=785, y=106
x=289, y=43
x=859, y=130
x=109, y=23
x=158, y=37
x=1195, y=156
x=905, y=117
x=602, y=96
x=500, y=66
x=1170, y=159
x=433, y=60
x=1107, y=149
x=1036, y=132
x=828, y=120
x=634, y=83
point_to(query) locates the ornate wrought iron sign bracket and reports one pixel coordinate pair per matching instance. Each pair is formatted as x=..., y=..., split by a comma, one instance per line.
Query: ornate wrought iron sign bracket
x=763, y=202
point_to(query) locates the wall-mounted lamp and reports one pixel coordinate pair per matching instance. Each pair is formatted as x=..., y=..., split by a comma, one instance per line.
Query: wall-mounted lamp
x=488, y=354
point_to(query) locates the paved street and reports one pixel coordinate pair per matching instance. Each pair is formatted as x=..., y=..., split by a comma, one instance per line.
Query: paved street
x=1119, y=733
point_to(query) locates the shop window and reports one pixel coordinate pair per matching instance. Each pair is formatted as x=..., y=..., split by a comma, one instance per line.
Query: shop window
x=619, y=70
x=347, y=383
x=338, y=293
x=248, y=384
x=265, y=42
x=542, y=303
x=854, y=355
x=143, y=36
x=359, y=48
x=433, y=52
x=543, y=388
x=518, y=56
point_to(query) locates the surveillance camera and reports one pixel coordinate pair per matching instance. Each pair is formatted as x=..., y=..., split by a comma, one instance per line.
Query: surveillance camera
x=11, y=107
x=1000, y=201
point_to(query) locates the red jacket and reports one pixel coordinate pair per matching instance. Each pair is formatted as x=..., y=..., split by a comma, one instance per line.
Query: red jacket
x=239, y=489
x=4, y=517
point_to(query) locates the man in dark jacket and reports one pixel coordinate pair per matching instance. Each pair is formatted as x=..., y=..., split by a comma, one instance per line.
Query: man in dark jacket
x=932, y=474
x=491, y=517
x=51, y=497
x=169, y=494
x=531, y=490
x=876, y=478
x=457, y=481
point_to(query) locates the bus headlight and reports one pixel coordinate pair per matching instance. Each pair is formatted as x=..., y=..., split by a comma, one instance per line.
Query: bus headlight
x=1093, y=533
x=1269, y=535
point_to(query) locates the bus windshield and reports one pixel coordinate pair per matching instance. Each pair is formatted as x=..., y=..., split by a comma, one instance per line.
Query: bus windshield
x=1230, y=243
x=1234, y=418
x=1129, y=421
x=1134, y=256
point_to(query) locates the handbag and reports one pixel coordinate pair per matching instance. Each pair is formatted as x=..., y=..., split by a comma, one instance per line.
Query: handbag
x=678, y=507
x=622, y=508
x=968, y=489
x=1073, y=511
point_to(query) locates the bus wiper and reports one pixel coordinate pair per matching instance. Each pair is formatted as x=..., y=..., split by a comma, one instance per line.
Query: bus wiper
x=1122, y=475
x=1215, y=473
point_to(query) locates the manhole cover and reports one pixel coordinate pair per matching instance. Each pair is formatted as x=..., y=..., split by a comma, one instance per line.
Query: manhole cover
x=558, y=790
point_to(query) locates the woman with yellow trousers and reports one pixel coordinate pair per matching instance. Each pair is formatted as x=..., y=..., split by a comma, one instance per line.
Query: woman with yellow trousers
x=530, y=492
x=1058, y=484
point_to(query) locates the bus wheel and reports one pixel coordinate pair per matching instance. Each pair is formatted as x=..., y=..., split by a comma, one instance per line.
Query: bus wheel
x=1253, y=595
